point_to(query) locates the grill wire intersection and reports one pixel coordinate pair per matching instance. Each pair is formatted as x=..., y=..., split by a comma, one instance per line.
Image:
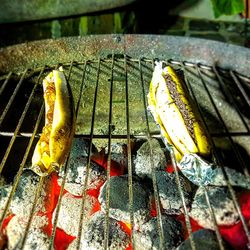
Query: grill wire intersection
x=220, y=94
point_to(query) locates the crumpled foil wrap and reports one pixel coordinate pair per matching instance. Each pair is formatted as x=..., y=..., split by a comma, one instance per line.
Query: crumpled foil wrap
x=200, y=172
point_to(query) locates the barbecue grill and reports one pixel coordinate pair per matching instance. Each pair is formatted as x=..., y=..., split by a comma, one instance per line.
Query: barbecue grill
x=110, y=76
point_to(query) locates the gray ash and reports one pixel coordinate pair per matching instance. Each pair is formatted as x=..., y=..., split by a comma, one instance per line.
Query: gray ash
x=80, y=147
x=24, y=196
x=77, y=173
x=119, y=207
x=142, y=162
x=77, y=169
x=203, y=239
x=93, y=238
x=4, y=195
x=222, y=204
x=148, y=238
x=36, y=238
x=118, y=153
x=70, y=210
x=169, y=193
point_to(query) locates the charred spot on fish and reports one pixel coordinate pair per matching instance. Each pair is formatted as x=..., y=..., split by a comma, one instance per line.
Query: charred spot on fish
x=181, y=105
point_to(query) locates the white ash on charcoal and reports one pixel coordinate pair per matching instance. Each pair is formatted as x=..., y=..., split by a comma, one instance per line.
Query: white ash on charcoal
x=143, y=163
x=80, y=147
x=70, y=211
x=119, y=207
x=148, y=237
x=169, y=194
x=36, y=238
x=203, y=239
x=4, y=195
x=25, y=193
x=77, y=169
x=221, y=203
x=77, y=173
x=94, y=238
x=118, y=153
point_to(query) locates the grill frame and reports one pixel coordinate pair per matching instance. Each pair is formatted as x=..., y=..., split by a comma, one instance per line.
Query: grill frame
x=187, y=49
x=184, y=66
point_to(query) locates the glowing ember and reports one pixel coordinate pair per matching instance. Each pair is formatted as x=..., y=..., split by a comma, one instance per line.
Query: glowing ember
x=102, y=159
x=62, y=240
x=169, y=168
x=126, y=227
x=153, y=211
x=145, y=229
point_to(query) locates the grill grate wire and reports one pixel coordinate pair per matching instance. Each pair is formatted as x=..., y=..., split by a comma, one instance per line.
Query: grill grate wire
x=143, y=66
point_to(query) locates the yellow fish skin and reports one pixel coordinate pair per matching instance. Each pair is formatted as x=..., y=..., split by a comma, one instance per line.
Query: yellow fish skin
x=55, y=142
x=174, y=111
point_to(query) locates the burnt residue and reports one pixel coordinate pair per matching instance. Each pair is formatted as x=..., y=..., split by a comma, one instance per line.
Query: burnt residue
x=176, y=96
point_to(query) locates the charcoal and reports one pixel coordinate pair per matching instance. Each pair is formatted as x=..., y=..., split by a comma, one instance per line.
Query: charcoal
x=77, y=169
x=70, y=210
x=119, y=207
x=118, y=153
x=222, y=204
x=169, y=193
x=76, y=175
x=4, y=195
x=142, y=161
x=203, y=239
x=36, y=238
x=148, y=238
x=24, y=196
x=94, y=238
x=80, y=147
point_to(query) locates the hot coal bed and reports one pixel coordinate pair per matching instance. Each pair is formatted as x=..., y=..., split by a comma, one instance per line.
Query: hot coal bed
x=94, y=215
x=120, y=188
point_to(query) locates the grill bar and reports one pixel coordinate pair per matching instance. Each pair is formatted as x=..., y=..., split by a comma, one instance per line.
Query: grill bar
x=85, y=183
x=206, y=195
x=230, y=98
x=156, y=192
x=106, y=233
x=84, y=192
x=12, y=97
x=224, y=173
x=243, y=92
x=5, y=83
x=178, y=182
x=52, y=238
x=18, y=175
x=222, y=121
x=38, y=193
x=140, y=65
x=129, y=155
x=243, y=165
x=187, y=218
x=19, y=123
x=122, y=136
x=218, y=235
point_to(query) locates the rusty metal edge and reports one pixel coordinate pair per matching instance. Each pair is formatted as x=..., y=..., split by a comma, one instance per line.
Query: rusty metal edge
x=52, y=51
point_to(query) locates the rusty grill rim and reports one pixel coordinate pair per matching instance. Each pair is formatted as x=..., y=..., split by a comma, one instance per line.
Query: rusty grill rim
x=67, y=49
x=184, y=66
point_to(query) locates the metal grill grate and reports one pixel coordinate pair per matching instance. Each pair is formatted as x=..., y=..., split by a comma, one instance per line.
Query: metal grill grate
x=110, y=99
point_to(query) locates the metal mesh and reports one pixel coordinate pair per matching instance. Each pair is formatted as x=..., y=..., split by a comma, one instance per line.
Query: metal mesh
x=222, y=97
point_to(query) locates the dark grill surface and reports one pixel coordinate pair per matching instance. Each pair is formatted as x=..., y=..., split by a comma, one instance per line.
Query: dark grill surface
x=110, y=97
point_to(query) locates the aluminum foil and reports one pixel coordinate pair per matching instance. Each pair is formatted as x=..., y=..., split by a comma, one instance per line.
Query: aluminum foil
x=201, y=172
